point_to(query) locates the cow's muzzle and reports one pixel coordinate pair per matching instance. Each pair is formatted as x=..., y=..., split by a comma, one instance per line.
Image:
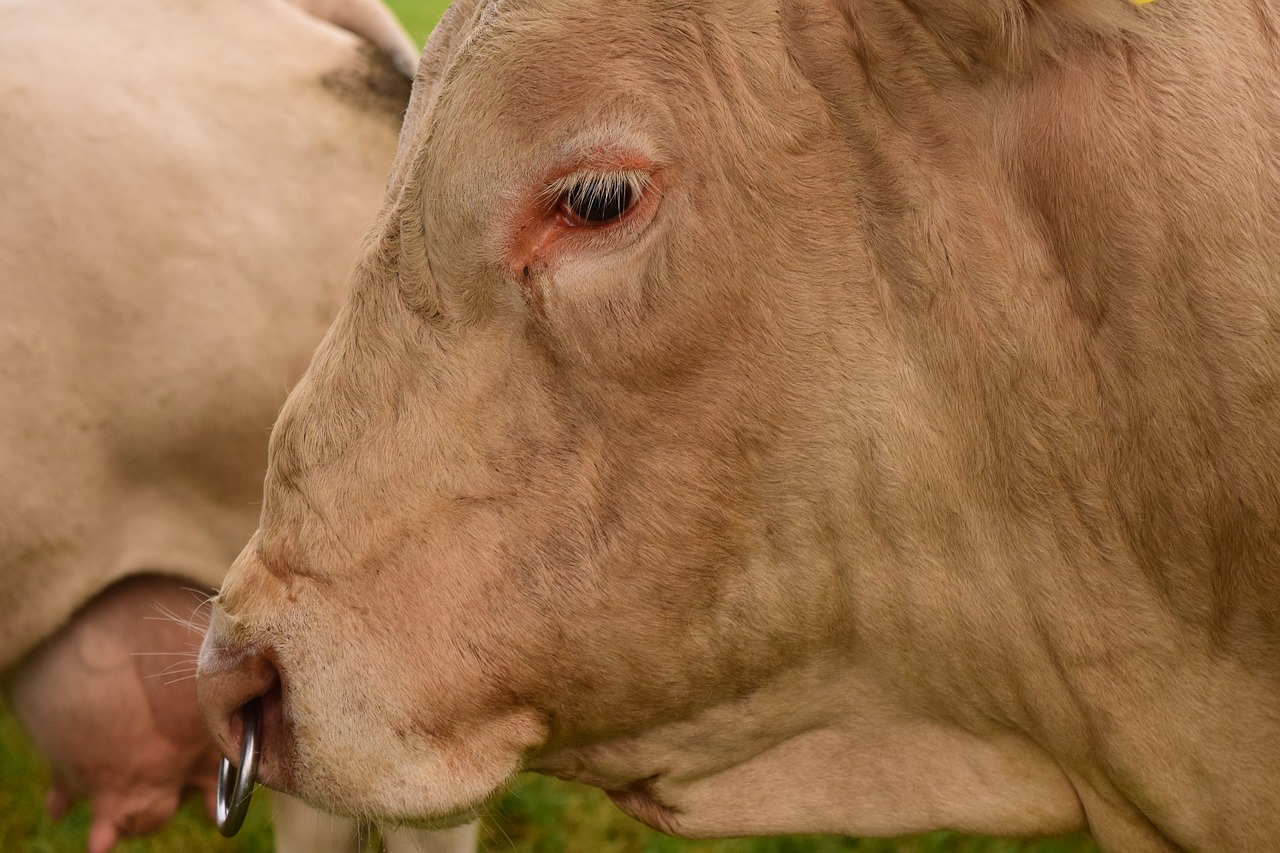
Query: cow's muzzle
x=241, y=697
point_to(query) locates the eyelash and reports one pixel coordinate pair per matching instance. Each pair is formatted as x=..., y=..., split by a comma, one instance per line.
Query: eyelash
x=594, y=199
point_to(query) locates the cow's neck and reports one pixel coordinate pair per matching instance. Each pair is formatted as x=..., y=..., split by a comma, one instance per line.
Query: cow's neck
x=1066, y=523
x=848, y=747
x=1059, y=500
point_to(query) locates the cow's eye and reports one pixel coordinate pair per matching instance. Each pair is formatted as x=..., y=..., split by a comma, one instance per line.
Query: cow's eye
x=600, y=199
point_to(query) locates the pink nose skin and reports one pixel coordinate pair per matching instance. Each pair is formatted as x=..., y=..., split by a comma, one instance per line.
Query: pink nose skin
x=226, y=679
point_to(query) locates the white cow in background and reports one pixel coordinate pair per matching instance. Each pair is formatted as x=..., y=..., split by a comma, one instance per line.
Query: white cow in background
x=184, y=189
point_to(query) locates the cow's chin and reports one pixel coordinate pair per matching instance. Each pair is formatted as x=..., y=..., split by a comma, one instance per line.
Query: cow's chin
x=356, y=768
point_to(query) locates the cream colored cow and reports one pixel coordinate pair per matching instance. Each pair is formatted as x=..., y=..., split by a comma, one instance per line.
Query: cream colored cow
x=182, y=190
x=847, y=416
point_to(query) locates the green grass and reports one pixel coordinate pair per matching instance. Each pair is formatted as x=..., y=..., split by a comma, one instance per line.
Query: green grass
x=537, y=815
x=26, y=828
x=419, y=16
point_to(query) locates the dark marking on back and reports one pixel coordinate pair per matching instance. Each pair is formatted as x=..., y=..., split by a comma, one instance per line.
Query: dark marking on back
x=370, y=83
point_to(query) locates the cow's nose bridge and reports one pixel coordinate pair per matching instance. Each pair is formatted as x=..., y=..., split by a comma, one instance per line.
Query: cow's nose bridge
x=215, y=634
x=263, y=575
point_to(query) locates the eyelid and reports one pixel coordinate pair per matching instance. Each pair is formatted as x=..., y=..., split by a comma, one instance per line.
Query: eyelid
x=637, y=180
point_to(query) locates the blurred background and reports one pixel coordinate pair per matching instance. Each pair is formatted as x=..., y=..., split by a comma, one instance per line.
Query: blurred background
x=537, y=815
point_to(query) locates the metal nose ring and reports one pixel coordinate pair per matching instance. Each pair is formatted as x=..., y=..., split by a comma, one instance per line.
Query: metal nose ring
x=236, y=789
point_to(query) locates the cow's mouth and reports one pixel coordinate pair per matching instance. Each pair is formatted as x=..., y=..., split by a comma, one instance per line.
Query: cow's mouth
x=639, y=801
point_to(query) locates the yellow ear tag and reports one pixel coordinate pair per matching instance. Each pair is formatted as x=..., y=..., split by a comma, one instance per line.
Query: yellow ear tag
x=1142, y=2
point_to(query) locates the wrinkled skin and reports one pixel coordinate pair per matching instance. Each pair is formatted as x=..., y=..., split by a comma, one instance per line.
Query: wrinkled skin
x=901, y=454
x=108, y=700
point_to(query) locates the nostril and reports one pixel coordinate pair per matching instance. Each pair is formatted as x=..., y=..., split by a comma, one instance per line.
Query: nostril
x=270, y=732
x=225, y=688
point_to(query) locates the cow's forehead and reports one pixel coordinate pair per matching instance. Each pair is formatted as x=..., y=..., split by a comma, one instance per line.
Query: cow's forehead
x=528, y=63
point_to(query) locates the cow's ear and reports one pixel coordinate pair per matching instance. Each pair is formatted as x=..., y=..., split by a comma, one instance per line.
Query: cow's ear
x=965, y=38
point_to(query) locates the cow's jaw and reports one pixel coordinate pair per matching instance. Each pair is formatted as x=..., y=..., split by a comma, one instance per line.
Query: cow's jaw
x=852, y=763
x=855, y=782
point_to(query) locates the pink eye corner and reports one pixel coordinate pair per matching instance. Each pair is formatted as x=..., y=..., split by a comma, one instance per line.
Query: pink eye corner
x=596, y=204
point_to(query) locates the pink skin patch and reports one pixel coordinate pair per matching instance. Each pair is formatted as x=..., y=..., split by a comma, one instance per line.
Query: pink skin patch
x=111, y=703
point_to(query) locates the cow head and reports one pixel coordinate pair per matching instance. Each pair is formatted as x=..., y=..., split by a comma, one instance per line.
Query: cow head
x=709, y=420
